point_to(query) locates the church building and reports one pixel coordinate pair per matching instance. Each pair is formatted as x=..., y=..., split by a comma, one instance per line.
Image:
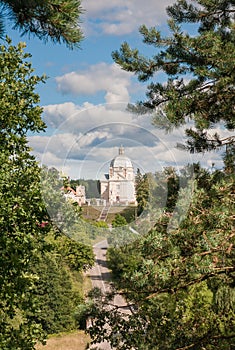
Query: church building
x=118, y=186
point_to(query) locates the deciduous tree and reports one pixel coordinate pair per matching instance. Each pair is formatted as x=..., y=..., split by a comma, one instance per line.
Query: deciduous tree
x=23, y=213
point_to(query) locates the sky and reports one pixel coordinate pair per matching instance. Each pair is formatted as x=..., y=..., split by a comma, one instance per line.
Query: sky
x=85, y=96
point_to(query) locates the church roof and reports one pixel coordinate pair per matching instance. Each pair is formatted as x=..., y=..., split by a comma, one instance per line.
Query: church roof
x=121, y=160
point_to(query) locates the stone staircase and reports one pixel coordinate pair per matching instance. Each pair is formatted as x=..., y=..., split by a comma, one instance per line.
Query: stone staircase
x=104, y=213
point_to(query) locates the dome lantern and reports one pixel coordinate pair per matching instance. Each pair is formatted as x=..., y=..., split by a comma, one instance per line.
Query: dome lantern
x=121, y=150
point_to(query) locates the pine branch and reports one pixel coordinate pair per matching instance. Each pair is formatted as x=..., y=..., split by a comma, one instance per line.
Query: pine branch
x=205, y=339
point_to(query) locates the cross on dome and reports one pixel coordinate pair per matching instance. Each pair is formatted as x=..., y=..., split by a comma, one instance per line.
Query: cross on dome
x=121, y=150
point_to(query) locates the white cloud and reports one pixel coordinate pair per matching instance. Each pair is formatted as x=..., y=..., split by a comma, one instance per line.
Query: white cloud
x=89, y=156
x=86, y=137
x=51, y=159
x=109, y=78
x=120, y=17
x=57, y=114
x=68, y=117
x=86, y=140
x=58, y=144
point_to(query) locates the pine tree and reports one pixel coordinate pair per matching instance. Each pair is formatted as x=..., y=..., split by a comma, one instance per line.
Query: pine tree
x=56, y=20
x=180, y=282
x=199, y=70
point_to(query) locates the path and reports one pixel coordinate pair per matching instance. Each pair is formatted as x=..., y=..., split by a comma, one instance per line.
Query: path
x=100, y=276
x=99, y=273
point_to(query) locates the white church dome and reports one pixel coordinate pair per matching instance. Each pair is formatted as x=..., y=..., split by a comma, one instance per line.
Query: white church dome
x=119, y=184
x=121, y=161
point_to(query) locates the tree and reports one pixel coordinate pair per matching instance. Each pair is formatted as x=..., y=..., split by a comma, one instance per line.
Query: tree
x=56, y=20
x=159, y=190
x=172, y=187
x=23, y=218
x=59, y=289
x=199, y=69
x=229, y=159
x=65, y=215
x=142, y=191
x=180, y=284
x=55, y=293
x=77, y=256
x=119, y=221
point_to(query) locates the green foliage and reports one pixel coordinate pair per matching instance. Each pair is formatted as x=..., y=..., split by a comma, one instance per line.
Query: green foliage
x=77, y=256
x=180, y=282
x=58, y=287
x=101, y=224
x=56, y=20
x=122, y=263
x=66, y=217
x=39, y=289
x=119, y=221
x=142, y=191
x=173, y=184
x=199, y=71
x=229, y=159
x=121, y=235
x=129, y=213
x=160, y=190
x=56, y=294
x=82, y=313
x=23, y=213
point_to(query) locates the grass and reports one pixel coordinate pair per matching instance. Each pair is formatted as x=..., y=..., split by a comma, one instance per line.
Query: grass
x=71, y=341
x=93, y=212
x=90, y=212
x=87, y=285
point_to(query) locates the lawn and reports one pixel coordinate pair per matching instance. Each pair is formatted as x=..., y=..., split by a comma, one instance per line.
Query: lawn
x=72, y=341
x=93, y=212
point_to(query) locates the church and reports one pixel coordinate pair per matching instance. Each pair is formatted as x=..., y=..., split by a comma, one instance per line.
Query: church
x=118, y=186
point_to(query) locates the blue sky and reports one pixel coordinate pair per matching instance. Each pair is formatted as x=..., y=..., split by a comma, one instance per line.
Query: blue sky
x=85, y=96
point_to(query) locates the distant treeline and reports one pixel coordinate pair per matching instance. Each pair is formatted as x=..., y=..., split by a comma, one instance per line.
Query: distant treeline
x=92, y=187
